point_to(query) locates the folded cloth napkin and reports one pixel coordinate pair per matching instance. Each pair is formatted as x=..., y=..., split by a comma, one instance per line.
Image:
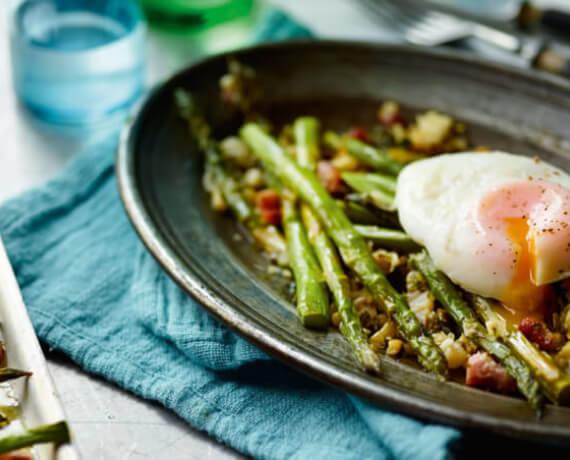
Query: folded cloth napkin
x=94, y=292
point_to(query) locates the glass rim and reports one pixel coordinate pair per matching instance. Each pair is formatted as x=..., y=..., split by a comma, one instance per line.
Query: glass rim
x=138, y=28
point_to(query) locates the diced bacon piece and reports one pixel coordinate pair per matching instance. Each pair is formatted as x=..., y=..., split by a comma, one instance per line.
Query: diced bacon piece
x=272, y=216
x=267, y=199
x=17, y=455
x=329, y=176
x=482, y=371
x=358, y=133
x=268, y=203
x=537, y=332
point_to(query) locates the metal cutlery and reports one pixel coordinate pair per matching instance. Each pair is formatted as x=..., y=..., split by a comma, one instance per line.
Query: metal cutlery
x=425, y=27
x=522, y=14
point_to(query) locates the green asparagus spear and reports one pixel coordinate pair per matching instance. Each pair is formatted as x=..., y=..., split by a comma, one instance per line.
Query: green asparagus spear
x=360, y=214
x=373, y=157
x=7, y=373
x=351, y=245
x=364, y=182
x=312, y=297
x=306, y=130
x=377, y=198
x=339, y=285
x=387, y=237
x=305, y=266
x=451, y=299
x=332, y=140
x=370, y=156
x=215, y=173
x=333, y=270
x=232, y=196
x=57, y=433
x=555, y=383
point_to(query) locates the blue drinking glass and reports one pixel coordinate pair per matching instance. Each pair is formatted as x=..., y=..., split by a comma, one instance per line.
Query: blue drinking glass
x=77, y=61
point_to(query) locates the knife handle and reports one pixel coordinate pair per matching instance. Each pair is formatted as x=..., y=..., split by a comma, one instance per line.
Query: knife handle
x=556, y=19
x=553, y=62
x=530, y=16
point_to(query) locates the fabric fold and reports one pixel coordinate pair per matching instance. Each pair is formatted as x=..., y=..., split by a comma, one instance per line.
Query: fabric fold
x=168, y=312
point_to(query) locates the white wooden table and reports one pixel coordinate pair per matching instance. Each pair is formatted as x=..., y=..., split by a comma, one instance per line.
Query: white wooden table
x=107, y=422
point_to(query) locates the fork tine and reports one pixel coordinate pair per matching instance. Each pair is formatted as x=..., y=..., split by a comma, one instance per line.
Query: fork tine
x=418, y=26
x=424, y=30
x=431, y=28
x=417, y=37
x=386, y=10
x=442, y=20
x=431, y=36
x=391, y=14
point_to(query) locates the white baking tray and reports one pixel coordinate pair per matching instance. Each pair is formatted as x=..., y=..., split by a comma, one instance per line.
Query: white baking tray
x=38, y=398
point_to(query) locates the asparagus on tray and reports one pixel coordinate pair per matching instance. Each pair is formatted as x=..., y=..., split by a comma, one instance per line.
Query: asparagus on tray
x=7, y=373
x=57, y=433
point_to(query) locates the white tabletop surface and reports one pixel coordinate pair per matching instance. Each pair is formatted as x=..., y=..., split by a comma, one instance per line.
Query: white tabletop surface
x=107, y=422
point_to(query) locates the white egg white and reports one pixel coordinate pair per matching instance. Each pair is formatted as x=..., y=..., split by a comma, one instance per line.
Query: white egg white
x=434, y=197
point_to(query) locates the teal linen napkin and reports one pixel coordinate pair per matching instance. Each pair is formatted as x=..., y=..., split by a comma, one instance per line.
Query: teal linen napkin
x=94, y=292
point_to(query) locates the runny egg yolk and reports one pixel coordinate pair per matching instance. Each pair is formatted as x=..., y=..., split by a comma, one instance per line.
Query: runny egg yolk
x=522, y=295
x=498, y=225
x=527, y=230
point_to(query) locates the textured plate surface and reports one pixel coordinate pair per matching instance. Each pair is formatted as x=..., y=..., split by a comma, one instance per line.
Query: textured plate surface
x=159, y=174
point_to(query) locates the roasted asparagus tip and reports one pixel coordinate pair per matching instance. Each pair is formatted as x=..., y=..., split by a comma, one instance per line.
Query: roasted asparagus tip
x=8, y=373
x=387, y=238
x=57, y=433
x=368, y=358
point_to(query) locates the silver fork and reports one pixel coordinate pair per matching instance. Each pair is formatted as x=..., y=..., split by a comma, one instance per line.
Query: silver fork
x=432, y=28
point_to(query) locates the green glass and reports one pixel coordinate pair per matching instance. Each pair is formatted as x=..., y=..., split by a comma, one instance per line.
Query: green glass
x=196, y=14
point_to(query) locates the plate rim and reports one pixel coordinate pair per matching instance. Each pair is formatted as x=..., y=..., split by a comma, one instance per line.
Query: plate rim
x=290, y=353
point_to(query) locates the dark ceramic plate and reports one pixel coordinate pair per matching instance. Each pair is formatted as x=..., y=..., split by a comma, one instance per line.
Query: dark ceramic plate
x=159, y=174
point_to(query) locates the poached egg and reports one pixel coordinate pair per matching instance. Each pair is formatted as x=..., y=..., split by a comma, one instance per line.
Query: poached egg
x=497, y=224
